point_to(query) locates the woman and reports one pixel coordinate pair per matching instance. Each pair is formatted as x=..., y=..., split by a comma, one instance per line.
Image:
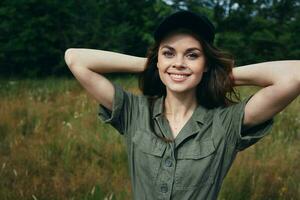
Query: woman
x=184, y=132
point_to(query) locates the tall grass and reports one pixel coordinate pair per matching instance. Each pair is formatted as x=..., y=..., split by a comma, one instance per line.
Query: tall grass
x=53, y=146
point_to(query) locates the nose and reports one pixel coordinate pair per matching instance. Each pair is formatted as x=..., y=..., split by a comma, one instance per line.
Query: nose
x=179, y=62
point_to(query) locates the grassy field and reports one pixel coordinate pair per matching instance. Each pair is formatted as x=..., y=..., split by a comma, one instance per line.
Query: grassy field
x=53, y=146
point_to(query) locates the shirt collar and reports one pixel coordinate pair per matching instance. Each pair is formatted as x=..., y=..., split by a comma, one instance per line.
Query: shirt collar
x=199, y=114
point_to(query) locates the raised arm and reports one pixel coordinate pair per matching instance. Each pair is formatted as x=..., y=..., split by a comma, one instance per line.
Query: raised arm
x=88, y=65
x=281, y=85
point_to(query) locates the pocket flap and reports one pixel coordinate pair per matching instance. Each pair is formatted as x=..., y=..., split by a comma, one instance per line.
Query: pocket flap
x=196, y=150
x=148, y=143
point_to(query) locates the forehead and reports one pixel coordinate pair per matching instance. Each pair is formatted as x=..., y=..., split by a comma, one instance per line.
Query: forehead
x=180, y=40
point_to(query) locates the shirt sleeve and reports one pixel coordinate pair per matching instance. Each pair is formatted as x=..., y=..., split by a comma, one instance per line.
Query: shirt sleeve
x=124, y=109
x=232, y=118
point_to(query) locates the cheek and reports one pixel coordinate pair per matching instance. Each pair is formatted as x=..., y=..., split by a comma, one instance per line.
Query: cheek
x=198, y=76
x=162, y=75
x=195, y=78
x=199, y=69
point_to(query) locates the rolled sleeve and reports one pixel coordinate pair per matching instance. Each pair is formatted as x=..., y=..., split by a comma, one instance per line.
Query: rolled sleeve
x=232, y=120
x=123, y=109
x=108, y=116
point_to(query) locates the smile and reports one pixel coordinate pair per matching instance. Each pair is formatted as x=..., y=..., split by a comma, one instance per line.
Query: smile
x=178, y=77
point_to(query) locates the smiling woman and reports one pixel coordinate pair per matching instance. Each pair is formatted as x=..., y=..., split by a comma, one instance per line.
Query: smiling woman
x=184, y=132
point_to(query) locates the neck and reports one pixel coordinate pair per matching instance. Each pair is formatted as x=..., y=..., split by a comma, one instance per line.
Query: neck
x=180, y=105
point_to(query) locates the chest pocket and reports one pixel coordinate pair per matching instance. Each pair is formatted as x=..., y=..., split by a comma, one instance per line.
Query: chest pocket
x=194, y=164
x=148, y=152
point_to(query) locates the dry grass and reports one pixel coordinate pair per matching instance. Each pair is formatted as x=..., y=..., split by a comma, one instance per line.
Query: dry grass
x=53, y=146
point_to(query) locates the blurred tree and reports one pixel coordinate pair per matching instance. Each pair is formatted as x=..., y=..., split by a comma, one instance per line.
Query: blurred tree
x=35, y=34
x=258, y=30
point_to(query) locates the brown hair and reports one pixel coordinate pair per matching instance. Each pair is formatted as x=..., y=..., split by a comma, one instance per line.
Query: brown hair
x=216, y=87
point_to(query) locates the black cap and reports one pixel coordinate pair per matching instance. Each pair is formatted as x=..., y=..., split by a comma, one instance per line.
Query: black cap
x=197, y=23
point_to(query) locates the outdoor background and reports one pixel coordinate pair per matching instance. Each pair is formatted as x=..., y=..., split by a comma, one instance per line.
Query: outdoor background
x=53, y=145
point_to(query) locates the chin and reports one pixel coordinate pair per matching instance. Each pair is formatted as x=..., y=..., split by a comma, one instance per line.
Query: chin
x=179, y=89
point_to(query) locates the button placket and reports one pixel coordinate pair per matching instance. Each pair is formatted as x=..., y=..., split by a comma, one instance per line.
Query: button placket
x=166, y=174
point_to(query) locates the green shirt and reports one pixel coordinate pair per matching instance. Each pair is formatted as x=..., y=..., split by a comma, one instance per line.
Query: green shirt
x=195, y=164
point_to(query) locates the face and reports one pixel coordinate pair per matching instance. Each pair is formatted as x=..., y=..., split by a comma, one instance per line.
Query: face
x=181, y=63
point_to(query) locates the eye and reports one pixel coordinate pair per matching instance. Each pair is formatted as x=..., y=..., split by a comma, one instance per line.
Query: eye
x=167, y=53
x=193, y=55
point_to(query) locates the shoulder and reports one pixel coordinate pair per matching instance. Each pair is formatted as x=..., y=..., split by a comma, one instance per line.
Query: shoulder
x=129, y=94
x=231, y=117
x=233, y=109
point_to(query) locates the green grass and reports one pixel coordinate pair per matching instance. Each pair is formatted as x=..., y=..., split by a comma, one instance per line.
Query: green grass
x=53, y=146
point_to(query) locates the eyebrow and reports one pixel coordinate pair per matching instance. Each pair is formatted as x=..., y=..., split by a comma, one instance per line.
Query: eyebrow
x=188, y=50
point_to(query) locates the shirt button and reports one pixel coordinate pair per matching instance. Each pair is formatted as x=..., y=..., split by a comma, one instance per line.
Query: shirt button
x=164, y=188
x=168, y=162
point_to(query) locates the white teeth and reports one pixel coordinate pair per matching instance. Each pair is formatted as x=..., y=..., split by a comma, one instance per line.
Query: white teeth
x=178, y=77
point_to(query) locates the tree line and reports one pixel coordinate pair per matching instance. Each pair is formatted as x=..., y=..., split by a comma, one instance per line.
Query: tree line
x=35, y=34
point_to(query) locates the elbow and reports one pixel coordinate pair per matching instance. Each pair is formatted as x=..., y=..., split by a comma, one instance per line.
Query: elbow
x=70, y=57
